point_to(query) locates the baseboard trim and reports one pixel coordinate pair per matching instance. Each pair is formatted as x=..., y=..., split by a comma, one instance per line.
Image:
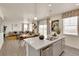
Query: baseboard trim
x=71, y=47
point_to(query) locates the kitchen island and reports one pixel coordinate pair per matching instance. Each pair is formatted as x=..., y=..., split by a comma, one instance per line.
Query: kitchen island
x=37, y=47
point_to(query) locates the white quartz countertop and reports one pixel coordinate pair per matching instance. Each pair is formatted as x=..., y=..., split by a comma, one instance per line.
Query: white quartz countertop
x=38, y=44
x=1, y=43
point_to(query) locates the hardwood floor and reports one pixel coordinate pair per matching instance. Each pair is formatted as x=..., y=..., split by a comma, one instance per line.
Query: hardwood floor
x=13, y=48
x=70, y=51
x=18, y=48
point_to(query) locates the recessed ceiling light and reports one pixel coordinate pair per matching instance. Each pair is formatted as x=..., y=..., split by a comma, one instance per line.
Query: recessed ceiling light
x=49, y=5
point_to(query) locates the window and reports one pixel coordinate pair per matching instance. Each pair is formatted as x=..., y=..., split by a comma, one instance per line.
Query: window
x=70, y=25
x=43, y=30
x=27, y=27
x=30, y=27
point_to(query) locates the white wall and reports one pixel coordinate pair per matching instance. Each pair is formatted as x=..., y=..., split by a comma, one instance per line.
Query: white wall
x=0, y=25
x=1, y=20
x=72, y=41
x=1, y=29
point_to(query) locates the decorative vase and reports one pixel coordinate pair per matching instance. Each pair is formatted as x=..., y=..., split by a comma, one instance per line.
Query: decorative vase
x=41, y=37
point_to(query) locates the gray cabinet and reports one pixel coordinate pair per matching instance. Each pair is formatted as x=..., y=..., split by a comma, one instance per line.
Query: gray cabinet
x=57, y=48
x=46, y=51
x=54, y=49
x=63, y=44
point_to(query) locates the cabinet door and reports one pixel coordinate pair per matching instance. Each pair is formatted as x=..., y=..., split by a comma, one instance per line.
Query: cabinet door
x=47, y=51
x=63, y=44
x=57, y=49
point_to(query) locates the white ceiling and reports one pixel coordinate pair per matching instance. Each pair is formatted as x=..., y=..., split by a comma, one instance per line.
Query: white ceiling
x=27, y=10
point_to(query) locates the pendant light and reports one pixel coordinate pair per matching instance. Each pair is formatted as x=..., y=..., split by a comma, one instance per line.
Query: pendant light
x=35, y=11
x=50, y=9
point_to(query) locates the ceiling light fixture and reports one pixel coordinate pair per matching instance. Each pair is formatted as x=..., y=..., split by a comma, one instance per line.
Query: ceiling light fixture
x=35, y=18
x=35, y=12
x=49, y=5
x=50, y=10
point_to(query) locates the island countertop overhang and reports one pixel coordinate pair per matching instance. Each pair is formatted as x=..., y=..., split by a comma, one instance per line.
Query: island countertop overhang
x=38, y=44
